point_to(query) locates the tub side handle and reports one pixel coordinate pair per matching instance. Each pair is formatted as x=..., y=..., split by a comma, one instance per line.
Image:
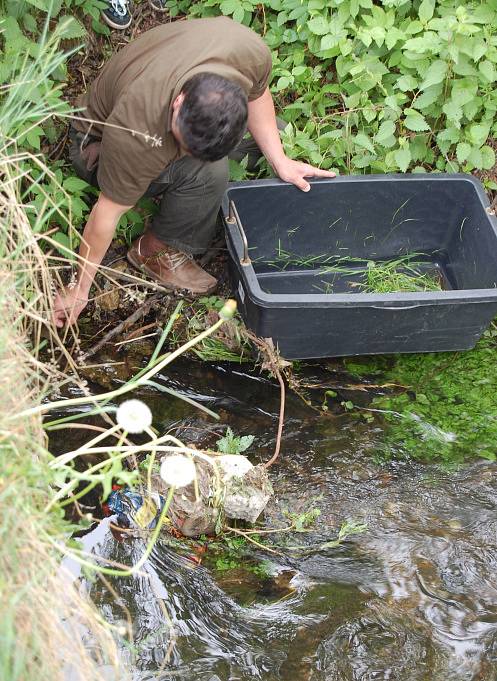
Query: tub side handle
x=234, y=219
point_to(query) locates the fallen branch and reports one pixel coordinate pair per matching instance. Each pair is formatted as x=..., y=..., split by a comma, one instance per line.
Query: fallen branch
x=124, y=325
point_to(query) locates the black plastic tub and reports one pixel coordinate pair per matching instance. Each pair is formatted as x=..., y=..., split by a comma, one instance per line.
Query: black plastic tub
x=282, y=276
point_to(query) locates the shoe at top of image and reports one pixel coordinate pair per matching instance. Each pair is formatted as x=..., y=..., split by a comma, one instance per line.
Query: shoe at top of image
x=158, y=5
x=117, y=14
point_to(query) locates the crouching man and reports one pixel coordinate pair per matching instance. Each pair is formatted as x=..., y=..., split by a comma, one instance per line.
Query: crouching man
x=161, y=120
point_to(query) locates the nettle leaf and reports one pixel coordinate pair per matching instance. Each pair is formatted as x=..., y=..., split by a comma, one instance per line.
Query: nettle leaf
x=488, y=70
x=419, y=149
x=66, y=245
x=464, y=90
x=463, y=150
x=369, y=114
x=479, y=49
x=362, y=161
x=386, y=134
x=428, y=43
x=228, y=7
x=282, y=83
x=364, y=35
x=475, y=158
x=403, y=158
x=378, y=35
x=33, y=137
x=450, y=135
x=393, y=36
x=74, y=184
x=43, y=5
x=362, y=140
x=436, y=74
x=453, y=112
x=428, y=98
x=464, y=67
x=426, y=10
x=30, y=23
x=488, y=157
x=472, y=108
x=69, y=28
x=478, y=133
x=415, y=121
x=318, y=25
x=406, y=83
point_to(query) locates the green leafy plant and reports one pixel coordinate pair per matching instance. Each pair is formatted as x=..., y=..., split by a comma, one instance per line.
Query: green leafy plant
x=302, y=521
x=133, y=222
x=233, y=444
x=386, y=86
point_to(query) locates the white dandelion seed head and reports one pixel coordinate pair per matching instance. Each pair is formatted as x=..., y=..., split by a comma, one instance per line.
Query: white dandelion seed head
x=134, y=416
x=234, y=465
x=177, y=470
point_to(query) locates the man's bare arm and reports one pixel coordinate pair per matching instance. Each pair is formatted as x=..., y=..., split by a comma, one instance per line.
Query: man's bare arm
x=97, y=236
x=263, y=128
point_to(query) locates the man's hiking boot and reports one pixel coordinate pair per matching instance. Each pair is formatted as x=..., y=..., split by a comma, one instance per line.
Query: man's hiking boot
x=171, y=268
x=158, y=5
x=117, y=14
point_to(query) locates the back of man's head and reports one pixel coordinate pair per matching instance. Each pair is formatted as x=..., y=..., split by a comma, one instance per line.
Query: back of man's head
x=212, y=117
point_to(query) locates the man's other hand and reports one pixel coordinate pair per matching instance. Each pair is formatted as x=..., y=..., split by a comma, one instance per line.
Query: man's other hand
x=295, y=172
x=68, y=305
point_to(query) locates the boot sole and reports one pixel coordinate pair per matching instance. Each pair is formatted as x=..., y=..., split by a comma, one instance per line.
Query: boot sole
x=119, y=27
x=150, y=273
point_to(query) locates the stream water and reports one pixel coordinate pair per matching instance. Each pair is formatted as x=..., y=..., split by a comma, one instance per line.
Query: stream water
x=412, y=598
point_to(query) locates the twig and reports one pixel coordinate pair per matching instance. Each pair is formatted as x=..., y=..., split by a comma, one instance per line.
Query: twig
x=253, y=541
x=140, y=330
x=272, y=363
x=126, y=276
x=126, y=323
x=134, y=339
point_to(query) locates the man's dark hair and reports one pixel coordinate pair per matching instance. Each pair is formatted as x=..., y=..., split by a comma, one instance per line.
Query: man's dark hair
x=212, y=117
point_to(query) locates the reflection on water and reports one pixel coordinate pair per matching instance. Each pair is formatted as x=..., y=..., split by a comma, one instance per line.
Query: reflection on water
x=412, y=599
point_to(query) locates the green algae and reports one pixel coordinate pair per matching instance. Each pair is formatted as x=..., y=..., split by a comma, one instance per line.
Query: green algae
x=447, y=408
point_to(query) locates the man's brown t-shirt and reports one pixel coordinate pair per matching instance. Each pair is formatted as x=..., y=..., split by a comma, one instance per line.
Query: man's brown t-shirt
x=138, y=85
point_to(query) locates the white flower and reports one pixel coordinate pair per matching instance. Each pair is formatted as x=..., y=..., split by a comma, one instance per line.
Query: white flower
x=134, y=416
x=177, y=470
x=234, y=465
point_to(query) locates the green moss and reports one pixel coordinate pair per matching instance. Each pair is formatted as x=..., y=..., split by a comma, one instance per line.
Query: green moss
x=448, y=409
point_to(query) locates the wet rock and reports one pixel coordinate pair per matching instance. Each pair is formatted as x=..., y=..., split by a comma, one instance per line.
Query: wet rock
x=139, y=350
x=218, y=492
x=108, y=300
x=247, y=497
